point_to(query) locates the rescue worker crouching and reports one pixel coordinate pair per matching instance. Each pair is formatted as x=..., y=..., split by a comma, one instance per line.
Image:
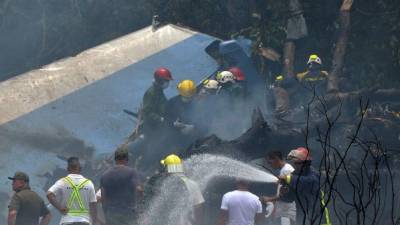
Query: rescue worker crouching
x=205, y=105
x=230, y=105
x=209, y=88
x=228, y=86
x=280, y=99
x=240, y=81
x=180, y=109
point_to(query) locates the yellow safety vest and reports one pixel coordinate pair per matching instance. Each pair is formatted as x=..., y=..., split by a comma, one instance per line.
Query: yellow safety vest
x=323, y=75
x=75, y=198
x=326, y=211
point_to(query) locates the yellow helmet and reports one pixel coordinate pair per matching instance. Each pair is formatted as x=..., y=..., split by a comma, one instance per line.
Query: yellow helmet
x=173, y=164
x=279, y=78
x=187, y=88
x=314, y=58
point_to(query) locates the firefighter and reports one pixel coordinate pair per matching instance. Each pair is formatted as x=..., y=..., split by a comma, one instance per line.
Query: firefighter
x=180, y=109
x=303, y=186
x=228, y=86
x=240, y=79
x=154, y=101
x=314, y=76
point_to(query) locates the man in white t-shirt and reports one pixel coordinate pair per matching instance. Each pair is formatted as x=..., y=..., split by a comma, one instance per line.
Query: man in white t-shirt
x=74, y=197
x=285, y=209
x=240, y=207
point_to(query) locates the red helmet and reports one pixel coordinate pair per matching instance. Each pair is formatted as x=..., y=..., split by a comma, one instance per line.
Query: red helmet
x=162, y=73
x=239, y=75
x=300, y=154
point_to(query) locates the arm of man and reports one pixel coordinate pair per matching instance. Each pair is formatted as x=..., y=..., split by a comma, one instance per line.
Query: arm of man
x=294, y=180
x=102, y=190
x=198, y=212
x=12, y=215
x=300, y=76
x=197, y=200
x=148, y=108
x=45, y=219
x=103, y=195
x=266, y=199
x=136, y=183
x=99, y=208
x=13, y=209
x=98, y=196
x=139, y=192
x=92, y=203
x=52, y=199
x=259, y=217
x=223, y=217
x=51, y=196
x=45, y=214
x=224, y=212
x=93, y=212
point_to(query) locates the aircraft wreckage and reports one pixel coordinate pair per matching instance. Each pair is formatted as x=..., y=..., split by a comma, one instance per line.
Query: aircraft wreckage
x=75, y=106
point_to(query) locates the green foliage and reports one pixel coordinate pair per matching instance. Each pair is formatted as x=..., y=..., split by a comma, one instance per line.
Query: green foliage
x=373, y=53
x=199, y=14
x=374, y=48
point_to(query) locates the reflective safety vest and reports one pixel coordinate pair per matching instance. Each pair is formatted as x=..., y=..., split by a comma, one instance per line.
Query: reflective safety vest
x=305, y=76
x=323, y=204
x=75, y=199
x=326, y=210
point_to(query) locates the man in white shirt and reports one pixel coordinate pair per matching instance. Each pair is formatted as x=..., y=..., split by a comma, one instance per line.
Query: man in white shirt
x=240, y=207
x=74, y=197
x=285, y=208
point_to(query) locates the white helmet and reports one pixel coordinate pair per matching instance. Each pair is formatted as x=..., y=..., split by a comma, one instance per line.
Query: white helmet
x=210, y=84
x=225, y=77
